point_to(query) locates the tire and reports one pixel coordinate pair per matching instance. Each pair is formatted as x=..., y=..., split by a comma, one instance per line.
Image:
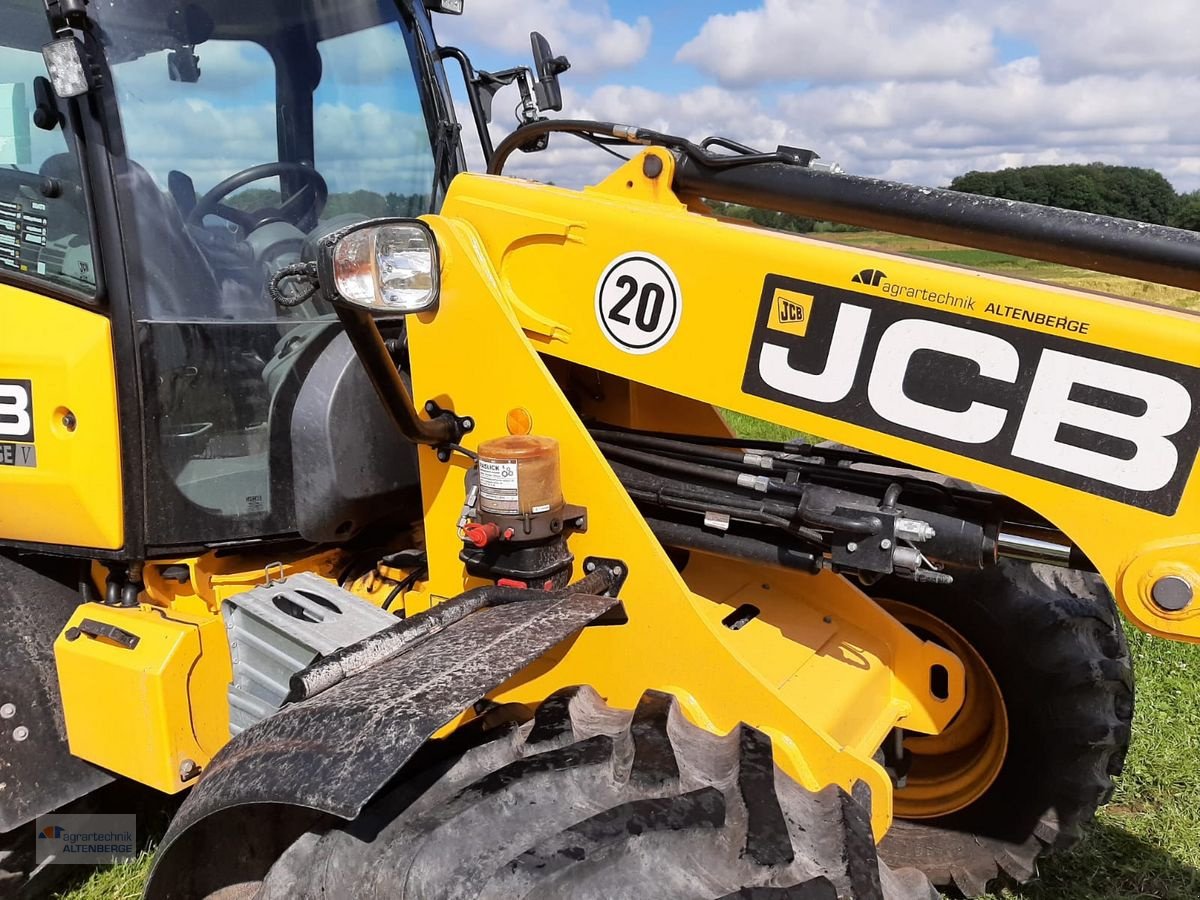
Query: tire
x=14, y=864
x=20, y=875
x=1053, y=641
x=587, y=801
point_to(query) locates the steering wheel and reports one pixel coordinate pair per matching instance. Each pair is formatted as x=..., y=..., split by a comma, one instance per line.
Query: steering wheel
x=309, y=200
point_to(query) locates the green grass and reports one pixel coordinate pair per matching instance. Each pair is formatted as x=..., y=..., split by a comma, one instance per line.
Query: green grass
x=1146, y=843
x=760, y=429
x=120, y=882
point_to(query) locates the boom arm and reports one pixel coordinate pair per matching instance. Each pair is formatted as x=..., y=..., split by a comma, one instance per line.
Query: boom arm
x=1081, y=407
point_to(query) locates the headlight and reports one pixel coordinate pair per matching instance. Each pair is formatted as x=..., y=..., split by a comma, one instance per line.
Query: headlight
x=384, y=266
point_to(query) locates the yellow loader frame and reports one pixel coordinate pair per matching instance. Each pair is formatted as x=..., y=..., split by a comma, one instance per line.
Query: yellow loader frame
x=821, y=668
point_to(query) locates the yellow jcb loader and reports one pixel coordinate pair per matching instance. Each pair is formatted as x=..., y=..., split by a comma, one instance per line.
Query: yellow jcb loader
x=386, y=509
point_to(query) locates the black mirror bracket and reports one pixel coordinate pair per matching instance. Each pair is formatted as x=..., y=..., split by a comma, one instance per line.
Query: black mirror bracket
x=538, y=94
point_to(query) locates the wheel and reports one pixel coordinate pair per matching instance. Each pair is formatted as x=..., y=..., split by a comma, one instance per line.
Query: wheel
x=1044, y=727
x=587, y=801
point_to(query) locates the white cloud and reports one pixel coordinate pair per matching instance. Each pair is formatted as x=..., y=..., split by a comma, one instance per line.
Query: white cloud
x=1014, y=115
x=923, y=132
x=583, y=30
x=840, y=41
x=1083, y=36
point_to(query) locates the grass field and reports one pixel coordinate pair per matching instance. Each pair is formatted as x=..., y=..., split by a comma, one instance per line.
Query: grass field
x=1146, y=843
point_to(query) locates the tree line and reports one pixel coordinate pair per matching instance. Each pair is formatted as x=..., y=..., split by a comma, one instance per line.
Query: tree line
x=1127, y=192
x=367, y=203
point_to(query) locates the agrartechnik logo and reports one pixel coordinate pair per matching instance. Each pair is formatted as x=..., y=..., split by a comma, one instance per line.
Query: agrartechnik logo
x=86, y=838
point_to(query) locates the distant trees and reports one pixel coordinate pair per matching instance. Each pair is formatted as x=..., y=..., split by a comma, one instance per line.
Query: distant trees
x=1123, y=191
x=1187, y=212
x=365, y=203
x=765, y=217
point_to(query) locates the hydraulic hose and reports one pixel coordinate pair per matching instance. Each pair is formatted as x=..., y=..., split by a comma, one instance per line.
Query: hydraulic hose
x=735, y=546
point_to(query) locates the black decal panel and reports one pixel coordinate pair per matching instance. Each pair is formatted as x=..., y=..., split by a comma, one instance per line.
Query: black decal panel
x=16, y=410
x=947, y=397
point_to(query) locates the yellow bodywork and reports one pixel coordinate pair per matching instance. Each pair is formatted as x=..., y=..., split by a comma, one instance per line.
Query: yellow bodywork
x=544, y=248
x=74, y=485
x=156, y=711
x=821, y=668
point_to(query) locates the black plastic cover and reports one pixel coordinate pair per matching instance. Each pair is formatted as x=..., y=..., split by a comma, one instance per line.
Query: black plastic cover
x=350, y=464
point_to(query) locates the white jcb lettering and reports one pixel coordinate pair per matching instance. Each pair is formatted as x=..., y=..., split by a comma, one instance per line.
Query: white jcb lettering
x=1168, y=407
x=979, y=422
x=14, y=410
x=834, y=382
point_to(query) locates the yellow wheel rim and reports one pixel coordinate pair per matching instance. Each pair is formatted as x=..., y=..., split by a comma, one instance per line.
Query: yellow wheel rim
x=952, y=770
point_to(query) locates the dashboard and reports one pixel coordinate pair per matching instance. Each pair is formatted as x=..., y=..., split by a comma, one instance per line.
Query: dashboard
x=44, y=237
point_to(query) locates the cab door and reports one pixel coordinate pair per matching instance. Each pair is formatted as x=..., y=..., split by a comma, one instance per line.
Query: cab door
x=60, y=453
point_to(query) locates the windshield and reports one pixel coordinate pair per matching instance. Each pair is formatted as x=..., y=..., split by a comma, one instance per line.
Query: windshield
x=248, y=128
x=251, y=129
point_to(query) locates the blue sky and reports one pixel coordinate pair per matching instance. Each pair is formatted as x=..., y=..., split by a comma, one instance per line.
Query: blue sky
x=916, y=90
x=911, y=90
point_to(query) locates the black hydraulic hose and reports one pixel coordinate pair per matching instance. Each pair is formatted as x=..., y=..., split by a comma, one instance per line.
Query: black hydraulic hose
x=782, y=448
x=669, y=464
x=533, y=130
x=658, y=491
x=1101, y=243
x=808, y=503
x=668, y=445
x=735, y=546
x=383, y=645
x=663, y=498
x=783, y=456
x=652, y=483
x=835, y=521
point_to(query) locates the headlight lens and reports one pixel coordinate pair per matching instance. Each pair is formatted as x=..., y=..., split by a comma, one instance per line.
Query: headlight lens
x=392, y=267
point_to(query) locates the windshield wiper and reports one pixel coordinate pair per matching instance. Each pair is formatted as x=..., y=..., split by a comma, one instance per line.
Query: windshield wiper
x=446, y=140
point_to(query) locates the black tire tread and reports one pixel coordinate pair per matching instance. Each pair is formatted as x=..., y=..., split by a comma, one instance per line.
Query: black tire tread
x=14, y=865
x=1077, y=694
x=587, y=801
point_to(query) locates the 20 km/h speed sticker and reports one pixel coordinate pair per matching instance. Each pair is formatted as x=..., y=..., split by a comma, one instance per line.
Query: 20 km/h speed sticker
x=638, y=303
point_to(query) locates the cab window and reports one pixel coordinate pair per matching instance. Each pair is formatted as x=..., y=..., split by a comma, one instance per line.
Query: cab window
x=44, y=230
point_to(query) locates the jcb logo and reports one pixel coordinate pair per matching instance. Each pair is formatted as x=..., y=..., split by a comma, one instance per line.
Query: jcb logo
x=16, y=410
x=790, y=312
x=1111, y=423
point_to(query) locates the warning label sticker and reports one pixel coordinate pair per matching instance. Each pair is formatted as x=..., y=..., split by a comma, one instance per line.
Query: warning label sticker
x=498, y=487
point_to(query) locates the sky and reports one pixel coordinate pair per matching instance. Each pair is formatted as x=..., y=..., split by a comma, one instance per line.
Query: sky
x=912, y=90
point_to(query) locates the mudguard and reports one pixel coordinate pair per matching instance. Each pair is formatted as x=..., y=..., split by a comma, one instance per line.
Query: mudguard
x=37, y=771
x=326, y=757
